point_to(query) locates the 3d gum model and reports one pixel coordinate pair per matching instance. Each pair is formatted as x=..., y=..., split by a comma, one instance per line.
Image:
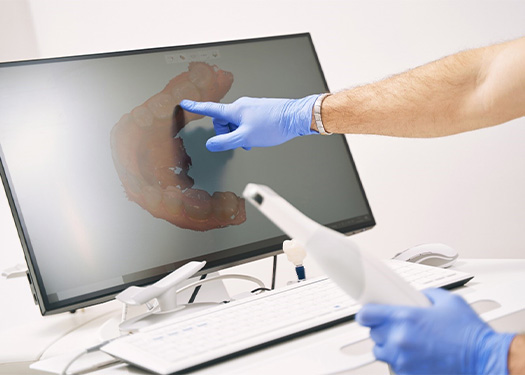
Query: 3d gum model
x=153, y=165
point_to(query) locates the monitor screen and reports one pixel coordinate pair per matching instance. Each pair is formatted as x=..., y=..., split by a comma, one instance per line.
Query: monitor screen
x=107, y=191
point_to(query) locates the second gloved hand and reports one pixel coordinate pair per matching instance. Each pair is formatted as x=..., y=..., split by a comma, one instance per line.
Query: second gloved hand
x=251, y=122
x=445, y=338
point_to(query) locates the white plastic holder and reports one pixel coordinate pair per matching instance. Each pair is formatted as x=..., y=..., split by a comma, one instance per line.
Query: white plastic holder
x=163, y=291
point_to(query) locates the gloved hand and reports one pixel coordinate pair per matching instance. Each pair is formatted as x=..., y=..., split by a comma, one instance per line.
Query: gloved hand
x=250, y=122
x=445, y=338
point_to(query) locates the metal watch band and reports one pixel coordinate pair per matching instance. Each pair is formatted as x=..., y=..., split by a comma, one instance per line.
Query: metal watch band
x=317, y=114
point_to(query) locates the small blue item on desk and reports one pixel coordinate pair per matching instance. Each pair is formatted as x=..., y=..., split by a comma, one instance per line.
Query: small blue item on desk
x=301, y=274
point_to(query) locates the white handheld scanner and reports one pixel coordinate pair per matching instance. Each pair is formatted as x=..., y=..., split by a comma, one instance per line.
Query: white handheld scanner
x=365, y=278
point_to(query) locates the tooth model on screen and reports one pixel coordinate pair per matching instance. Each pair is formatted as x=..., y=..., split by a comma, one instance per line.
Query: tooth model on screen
x=151, y=160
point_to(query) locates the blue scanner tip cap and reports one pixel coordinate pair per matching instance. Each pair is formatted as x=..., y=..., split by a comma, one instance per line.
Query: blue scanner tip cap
x=301, y=274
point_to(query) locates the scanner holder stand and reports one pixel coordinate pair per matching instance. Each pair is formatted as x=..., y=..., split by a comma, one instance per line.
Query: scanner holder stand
x=163, y=291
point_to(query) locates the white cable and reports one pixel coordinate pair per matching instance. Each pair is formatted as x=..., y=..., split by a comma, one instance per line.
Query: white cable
x=80, y=354
x=91, y=349
x=68, y=365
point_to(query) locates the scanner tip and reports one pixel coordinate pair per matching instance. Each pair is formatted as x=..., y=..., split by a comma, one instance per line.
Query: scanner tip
x=258, y=198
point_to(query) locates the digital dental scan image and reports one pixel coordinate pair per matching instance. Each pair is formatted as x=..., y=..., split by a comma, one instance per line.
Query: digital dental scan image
x=152, y=162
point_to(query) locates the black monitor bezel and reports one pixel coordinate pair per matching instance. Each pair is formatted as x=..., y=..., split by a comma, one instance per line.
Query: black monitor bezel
x=216, y=261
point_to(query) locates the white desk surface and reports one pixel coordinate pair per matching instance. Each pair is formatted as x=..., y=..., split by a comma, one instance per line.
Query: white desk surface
x=27, y=336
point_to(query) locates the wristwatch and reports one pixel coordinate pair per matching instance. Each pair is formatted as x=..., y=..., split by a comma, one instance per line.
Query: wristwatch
x=317, y=114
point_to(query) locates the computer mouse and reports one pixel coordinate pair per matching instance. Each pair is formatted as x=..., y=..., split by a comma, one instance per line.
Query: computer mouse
x=430, y=254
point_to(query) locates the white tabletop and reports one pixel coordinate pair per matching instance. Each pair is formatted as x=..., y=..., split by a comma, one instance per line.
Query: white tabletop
x=27, y=336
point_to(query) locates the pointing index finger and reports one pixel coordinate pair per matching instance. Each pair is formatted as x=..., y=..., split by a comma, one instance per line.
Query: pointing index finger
x=211, y=109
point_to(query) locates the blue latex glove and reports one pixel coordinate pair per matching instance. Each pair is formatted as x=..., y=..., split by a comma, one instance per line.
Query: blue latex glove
x=250, y=122
x=445, y=338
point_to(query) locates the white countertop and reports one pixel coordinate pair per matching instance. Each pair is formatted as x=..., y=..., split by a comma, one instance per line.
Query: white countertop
x=27, y=336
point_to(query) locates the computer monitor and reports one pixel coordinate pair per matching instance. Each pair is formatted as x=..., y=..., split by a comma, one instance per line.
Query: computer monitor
x=107, y=192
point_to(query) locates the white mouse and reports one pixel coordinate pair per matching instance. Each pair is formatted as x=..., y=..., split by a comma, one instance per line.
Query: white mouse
x=430, y=254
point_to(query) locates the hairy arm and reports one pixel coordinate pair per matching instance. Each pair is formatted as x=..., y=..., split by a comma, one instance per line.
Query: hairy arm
x=466, y=91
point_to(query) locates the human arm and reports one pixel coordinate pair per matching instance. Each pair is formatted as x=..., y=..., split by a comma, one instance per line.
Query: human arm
x=517, y=355
x=466, y=91
x=445, y=338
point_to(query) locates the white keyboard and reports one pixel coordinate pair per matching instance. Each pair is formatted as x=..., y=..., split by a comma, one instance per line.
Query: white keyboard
x=257, y=321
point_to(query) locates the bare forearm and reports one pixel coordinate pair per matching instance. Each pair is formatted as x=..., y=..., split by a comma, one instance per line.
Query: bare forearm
x=516, y=360
x=466, y=91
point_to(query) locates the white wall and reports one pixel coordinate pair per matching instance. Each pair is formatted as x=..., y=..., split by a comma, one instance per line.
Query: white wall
x=464, y=190
x=17, y=35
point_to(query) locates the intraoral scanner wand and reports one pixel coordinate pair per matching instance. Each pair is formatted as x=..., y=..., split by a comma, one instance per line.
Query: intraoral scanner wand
x=363, y=277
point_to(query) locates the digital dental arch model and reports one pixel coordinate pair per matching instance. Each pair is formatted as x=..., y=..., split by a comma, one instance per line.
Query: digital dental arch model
x=151, y=160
